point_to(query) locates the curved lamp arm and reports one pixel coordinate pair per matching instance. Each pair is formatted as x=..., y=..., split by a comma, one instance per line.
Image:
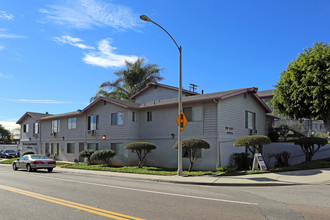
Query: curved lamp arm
x=146, y=18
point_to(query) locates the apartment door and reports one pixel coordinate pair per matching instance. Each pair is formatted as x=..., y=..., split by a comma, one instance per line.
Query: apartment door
x=81, y=148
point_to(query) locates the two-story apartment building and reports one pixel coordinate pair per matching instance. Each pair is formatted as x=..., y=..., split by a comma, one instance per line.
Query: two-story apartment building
x=219, y=118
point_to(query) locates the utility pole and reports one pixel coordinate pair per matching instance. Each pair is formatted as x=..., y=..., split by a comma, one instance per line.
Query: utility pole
x=193, y=86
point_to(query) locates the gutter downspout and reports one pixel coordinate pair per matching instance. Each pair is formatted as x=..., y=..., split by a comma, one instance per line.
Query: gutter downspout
x=217, y=134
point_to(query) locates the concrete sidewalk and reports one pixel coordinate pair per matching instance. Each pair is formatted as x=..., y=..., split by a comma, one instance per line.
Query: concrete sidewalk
x=305, y=177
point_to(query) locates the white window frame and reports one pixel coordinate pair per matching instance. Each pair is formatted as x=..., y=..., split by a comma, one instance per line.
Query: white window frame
x=56, y=124
x=72, y=123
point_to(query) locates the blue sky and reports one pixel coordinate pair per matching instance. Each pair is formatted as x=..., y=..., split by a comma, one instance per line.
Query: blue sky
x=55, y=54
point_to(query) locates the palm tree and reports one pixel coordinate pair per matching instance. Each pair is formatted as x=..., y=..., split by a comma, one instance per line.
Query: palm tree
x=131, y=80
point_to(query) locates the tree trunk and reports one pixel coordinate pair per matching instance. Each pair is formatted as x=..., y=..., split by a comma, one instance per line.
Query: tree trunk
x=309, y=156
x=191, y=166
x=326, y=121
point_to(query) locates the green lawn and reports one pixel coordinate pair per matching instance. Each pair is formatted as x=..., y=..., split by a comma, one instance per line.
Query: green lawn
x=222, y=171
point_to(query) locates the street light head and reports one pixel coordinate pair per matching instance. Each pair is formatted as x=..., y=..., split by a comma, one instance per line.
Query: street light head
x=145, y=18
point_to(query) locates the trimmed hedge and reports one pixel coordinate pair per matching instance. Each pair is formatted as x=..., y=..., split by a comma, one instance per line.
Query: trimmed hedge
x=274, y=136
x=192, y=146
x=192, y=143
x=103, y=155
x=87, y=154
x=307, y=145
x=140, y=146
x=141, y=149
x=252, y=140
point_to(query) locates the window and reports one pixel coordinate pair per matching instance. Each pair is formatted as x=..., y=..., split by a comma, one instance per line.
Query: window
x=93, y=146
x=193, y=113
x=70, y=148
x=133, y=116
x=118, y=148
x=250, y=120
x=35, y=128
x=26, y=128
x=195, y=152
x=117, y=118
x=72, y=123
x=149, y=116
x=55, y=126
x=93, y=122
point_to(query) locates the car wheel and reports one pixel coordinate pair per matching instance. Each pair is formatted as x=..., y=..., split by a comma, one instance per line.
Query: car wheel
x=28, y=168
x=50, y=170
x=14, y=166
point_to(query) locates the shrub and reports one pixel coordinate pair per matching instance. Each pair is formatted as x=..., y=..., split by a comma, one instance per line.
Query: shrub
x=103, y=156
x=307, y=145
x=27, y=152
x=141, y=149
x=273, y=136
x=87, y=154
x=282, y=159
x=256, y=141
x=240, y=161
x=193, y=147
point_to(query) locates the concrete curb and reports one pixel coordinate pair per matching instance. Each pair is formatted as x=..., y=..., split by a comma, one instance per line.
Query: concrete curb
x=273, y=179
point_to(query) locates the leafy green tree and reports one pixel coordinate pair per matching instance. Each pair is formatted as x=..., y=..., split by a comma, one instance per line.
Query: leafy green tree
x=87, y=154
x=303, y=90
x=141, y=149
x=130, y=80
x=254, y=141
x=103, y=155
x=307, y=145
x=4, y=135
x=193, y=147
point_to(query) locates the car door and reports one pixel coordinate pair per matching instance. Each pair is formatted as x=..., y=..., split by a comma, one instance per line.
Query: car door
x=21, y=162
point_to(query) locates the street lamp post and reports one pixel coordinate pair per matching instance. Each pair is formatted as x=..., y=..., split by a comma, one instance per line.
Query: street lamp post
x=146, y=18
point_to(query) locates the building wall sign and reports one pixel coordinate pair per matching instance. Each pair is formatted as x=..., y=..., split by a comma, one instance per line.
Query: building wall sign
x=30, y=143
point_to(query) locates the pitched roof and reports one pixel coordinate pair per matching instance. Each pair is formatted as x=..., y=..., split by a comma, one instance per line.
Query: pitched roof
x=35, y=115
x=161, y=85
x=207, y=97
x=266, y=93
x=64, y=115
x=160, y=103
x=124, y=104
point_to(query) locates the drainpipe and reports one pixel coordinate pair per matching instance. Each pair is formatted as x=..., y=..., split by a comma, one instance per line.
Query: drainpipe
x=217, y=134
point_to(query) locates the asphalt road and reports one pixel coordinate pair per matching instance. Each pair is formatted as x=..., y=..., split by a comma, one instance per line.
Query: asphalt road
x=59, y=195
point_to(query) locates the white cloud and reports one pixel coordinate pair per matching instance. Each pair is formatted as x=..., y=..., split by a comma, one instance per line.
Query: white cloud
x=6, y=16
x=39, y=101
x=10, y=125
x=2, y=47
x=105, y=57
x=86, y=14
x=72, y=41
x=4, y=34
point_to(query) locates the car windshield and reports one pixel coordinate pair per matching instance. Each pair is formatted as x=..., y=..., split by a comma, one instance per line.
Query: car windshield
x=38, y=157
x=10, y=151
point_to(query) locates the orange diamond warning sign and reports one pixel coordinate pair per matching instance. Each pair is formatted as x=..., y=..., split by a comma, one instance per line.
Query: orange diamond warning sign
x=182, y=121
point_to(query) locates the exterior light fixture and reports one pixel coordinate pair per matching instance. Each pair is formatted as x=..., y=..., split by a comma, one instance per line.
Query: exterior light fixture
x=104, y=137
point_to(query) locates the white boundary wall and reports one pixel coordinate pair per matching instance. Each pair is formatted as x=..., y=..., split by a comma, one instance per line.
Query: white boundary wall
x=297, y=156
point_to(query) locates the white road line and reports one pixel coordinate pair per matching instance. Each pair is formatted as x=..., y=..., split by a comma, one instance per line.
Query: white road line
x=150, y=191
